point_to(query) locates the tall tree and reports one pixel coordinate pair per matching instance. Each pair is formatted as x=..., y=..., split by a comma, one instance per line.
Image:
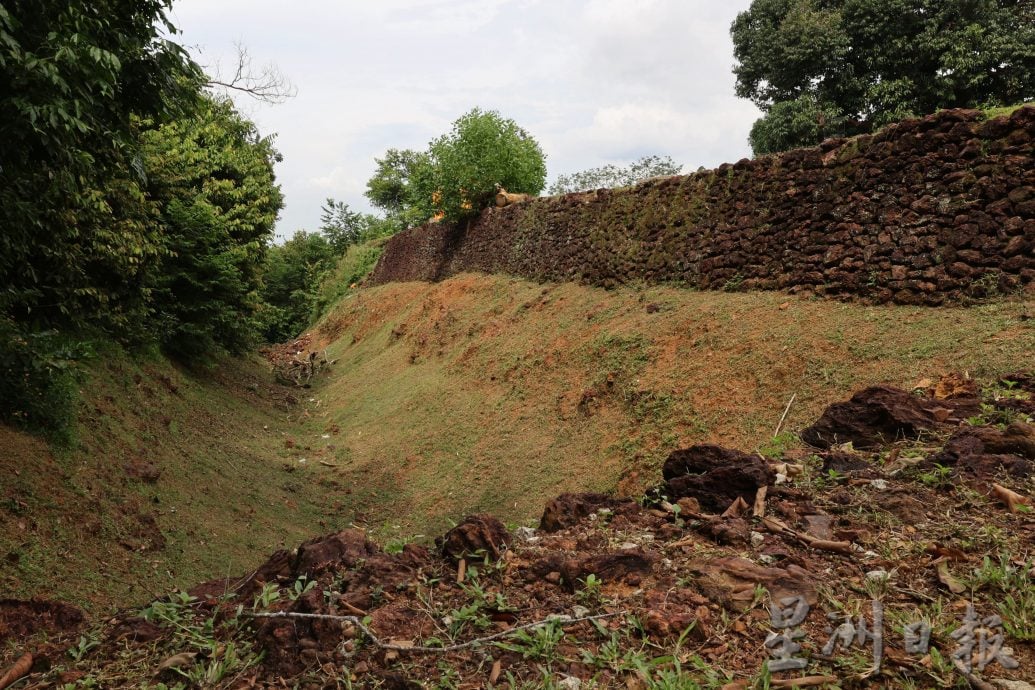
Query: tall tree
x=823, y=67
x=212, y=175
x=74, y=245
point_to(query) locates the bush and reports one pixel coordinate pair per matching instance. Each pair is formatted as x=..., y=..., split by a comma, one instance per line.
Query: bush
x=483, y=150
x=39, y=380
x=351, y=269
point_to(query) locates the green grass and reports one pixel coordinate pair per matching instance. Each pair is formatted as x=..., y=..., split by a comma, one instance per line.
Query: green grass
x=1004, y=111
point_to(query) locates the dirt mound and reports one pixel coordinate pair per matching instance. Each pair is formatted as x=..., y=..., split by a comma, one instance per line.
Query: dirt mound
x=883, y=414
x=311, y=558
x=476, y=535
x=983, y=452
x=19, y=619
x=568, y=509
x=716, y=477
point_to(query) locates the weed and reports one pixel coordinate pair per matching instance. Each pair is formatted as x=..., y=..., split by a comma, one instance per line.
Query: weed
x=939, y=477
x=269, y=593
x=538, y=644
x=590, y=593
x=84, y=645
x=776, y=447
x=1018, y=613
x=300, y=587
x=733, y=283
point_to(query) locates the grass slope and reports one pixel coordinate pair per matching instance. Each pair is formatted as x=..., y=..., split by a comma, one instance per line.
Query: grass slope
x=82, y=525
x=480, y=393
x=487, y=393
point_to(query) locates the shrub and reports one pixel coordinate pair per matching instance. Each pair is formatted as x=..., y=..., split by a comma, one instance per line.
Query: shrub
x=483, y=150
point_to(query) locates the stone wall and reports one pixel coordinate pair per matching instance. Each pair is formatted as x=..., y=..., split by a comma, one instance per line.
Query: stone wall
x=923, y=212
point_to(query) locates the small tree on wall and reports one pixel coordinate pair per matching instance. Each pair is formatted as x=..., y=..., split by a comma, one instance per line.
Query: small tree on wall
x=482, y=151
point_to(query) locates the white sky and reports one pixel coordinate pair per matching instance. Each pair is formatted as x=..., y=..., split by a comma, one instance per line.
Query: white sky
x=594, y=81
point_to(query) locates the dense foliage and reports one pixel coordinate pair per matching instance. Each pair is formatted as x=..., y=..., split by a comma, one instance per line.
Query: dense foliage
x=72, y=75
x=212, y=176
x=293, y=271
x=819, y=68
x=614, y=176
x=306, y=274
x=133, y=207
x=459, y=174
x=483, y=151
x=395, y=184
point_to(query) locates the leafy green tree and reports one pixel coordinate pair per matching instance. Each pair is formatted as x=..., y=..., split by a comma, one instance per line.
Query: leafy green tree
x=615, y=176
x=340, y=225
x=483, y=150
x=212, y=175
x=389, y=188
x=75, y=246
x=822, y=67
x=294, y=272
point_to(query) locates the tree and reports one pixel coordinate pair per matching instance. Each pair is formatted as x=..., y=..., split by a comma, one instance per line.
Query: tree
x=823, y=67
x=614, y=176
x=483, y=150
x=340, y=226
x=212, y=176
x=294, y=271
x=389, y=188
x=75, y=247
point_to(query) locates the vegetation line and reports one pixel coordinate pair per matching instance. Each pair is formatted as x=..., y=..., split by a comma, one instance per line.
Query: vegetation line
x=417, y=648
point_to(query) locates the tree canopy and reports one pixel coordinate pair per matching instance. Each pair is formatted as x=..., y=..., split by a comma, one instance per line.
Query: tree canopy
x=819, y=68
x=459, y=173
x=484, y=150
x=615, y=176
x=73, y=74
x=133, y=206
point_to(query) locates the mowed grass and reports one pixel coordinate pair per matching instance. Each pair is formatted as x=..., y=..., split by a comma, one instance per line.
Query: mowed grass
x=76, y=524
x=477, y=394
x=487, y=393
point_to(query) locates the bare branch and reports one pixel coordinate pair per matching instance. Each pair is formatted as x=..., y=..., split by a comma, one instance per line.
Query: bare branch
x=266, y=84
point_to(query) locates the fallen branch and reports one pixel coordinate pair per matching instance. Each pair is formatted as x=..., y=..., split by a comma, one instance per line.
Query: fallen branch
x=428, y=650
x=787, y=409
x=20, y=669
x=778, y=527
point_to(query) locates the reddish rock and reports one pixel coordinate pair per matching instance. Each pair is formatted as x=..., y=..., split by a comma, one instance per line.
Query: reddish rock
x=714, y=476
x=881, y=415
x=608, y=567
x=732, y=582
x=476, y=535
x=983, y=452
x=568, y=509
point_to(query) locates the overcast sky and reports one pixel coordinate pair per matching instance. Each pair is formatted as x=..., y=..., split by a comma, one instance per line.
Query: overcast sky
x=594, y=81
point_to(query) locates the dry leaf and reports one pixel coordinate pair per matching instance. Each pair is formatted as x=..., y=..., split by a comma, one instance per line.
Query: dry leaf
x=494, y=674
x=20, y=669
x=947, y=579
x=177, y=660
x=737, y=508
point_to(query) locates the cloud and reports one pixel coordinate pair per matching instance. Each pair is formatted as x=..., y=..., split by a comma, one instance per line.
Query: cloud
x=595, y=81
